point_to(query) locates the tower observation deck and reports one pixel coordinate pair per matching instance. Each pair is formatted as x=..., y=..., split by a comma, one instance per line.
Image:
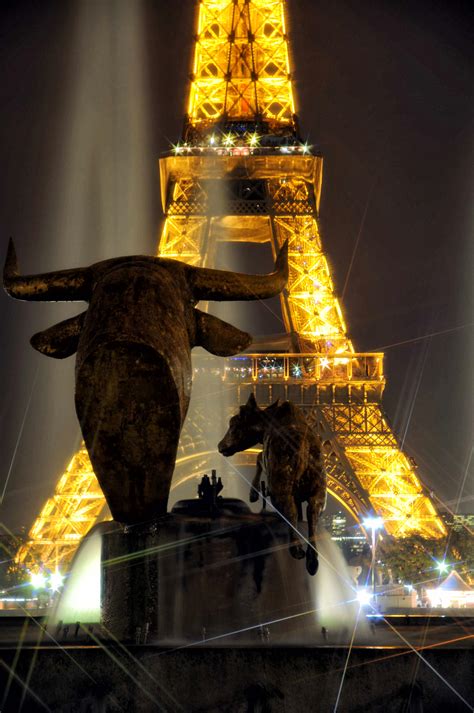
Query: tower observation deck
x=241, y=137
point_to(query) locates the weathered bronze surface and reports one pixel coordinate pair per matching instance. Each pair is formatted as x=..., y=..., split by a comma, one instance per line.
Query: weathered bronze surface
x=291, y=460
x=133, y=365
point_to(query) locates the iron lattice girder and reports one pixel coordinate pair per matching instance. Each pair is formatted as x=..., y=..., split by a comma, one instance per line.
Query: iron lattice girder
x=357, y=429
x=240, y=64
x=241, y=196
x=310, y=307
x=360, y=424
x=194, y=166
x=77, y=504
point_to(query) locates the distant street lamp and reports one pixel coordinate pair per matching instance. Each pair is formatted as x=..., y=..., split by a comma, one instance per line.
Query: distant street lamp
x=56, y=580
x=37, y=580
x=442, y=566
x=373, y=524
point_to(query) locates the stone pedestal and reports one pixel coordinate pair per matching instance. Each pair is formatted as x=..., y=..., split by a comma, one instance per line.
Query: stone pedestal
x=205, y=574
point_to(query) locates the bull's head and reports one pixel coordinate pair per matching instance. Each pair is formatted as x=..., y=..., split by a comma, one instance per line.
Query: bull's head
x=133, y=366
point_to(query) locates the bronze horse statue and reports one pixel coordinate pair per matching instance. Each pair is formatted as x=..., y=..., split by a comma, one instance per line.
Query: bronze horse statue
x=133, y=365
x=291, y=459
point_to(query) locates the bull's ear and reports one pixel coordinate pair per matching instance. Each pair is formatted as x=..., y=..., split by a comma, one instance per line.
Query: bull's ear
x=219, y=337
x=61, y=340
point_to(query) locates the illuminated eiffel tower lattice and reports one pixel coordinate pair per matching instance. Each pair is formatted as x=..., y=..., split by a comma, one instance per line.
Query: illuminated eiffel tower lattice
x=241, y=136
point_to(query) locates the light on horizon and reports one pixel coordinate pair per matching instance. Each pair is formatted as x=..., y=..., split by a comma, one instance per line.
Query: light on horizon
x=38, y=580
x=373, y=523
x=442, y=566
x=56, y=580
x=364, y=597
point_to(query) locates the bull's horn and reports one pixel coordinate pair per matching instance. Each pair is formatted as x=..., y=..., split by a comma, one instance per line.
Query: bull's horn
x=207, y=284
x=61, y=286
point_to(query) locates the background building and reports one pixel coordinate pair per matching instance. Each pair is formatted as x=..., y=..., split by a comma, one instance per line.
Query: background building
x=347, y=534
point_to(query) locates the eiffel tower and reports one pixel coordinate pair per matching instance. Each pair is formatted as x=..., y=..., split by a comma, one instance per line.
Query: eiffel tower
x=242, y=174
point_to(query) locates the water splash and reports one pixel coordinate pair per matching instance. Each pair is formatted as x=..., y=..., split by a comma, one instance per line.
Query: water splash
x=81, y=598
x=336, y=604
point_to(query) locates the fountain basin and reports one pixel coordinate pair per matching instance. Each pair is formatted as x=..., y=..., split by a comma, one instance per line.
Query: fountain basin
x=199, y=574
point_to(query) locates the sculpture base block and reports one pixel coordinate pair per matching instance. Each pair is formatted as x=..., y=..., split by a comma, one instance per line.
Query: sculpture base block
x=225, y=576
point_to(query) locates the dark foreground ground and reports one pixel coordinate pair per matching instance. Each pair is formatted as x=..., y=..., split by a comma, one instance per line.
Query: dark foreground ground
x=383, y=675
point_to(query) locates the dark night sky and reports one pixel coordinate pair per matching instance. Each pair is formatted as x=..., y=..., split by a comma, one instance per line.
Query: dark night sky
x=384, y=90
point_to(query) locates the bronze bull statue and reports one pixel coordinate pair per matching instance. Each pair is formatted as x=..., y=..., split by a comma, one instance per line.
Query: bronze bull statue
x=133, y=365
x=291, y=460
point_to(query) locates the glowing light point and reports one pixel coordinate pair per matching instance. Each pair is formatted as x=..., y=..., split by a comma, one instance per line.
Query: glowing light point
x=254, y=140
x=229, y=139
x=38, y=580
x=56, y=580
x=442, y=566
x=364, y=597
x=324, y=363
x=373, y=523
x=212, y=140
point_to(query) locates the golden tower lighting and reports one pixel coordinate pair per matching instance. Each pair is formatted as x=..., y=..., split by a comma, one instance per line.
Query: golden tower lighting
x=241, y=131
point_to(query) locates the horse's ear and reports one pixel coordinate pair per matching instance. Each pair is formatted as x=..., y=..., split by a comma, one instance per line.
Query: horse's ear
x=274, y=410
x=273, y=407
x=251, y=401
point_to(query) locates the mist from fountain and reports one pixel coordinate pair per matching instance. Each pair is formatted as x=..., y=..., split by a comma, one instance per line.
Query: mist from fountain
x=81, y=599
x=103, y=205
x=336, y=604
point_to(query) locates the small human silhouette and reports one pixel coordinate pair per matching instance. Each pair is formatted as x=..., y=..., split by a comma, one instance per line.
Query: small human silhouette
x=209, y=488
x=205, y=488
x=324, y=633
